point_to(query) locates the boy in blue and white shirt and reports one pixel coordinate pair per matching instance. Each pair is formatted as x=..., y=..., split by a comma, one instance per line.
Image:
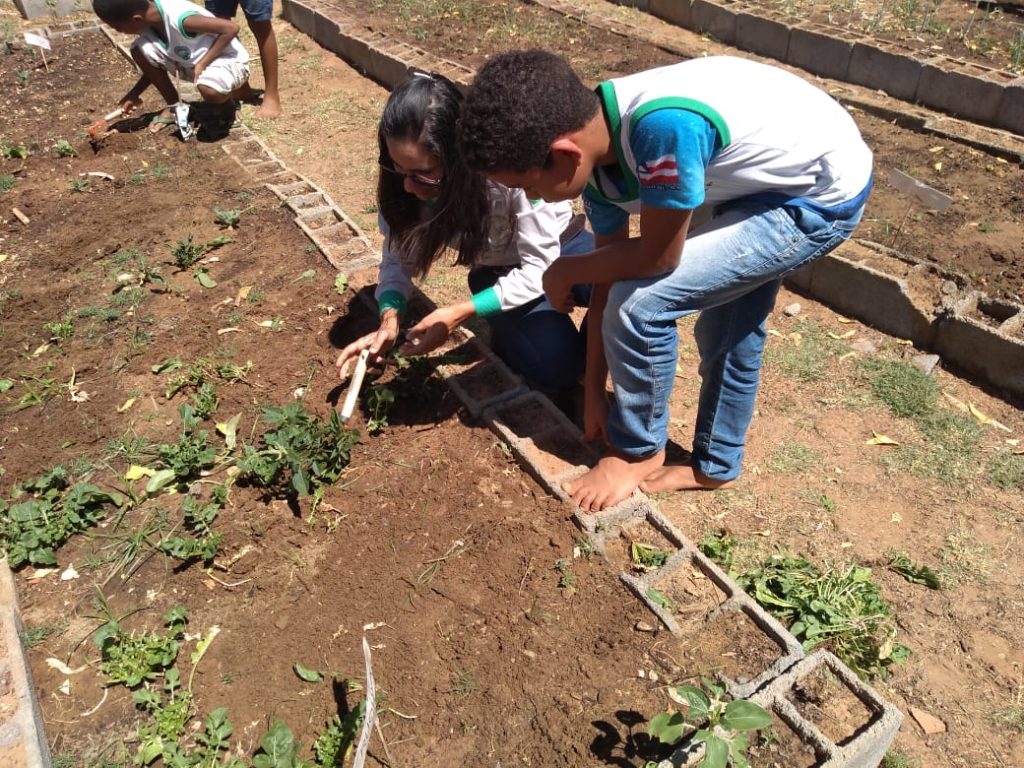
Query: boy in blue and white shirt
x=781, y=166
x=179, y=36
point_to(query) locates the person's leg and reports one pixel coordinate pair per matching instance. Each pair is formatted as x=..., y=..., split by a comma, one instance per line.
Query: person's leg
x=739, y=251
x=260, y=14
x=223, y=80
x=539, y=343
x=147, y=57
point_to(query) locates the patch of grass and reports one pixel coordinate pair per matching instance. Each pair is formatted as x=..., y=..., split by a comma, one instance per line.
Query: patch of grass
x=902, y=388
x=1011, y=717
x=790, y=457
x=1006, y=471
x=6, y=182
x=35, y=635
x=463, y=683
x=78, y=185
x=807, y=355
x=964, y=559
x=896, y=759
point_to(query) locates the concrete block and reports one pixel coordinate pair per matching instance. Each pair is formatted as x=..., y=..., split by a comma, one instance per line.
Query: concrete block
x=640, y=5
x=303, y=202
x=817, y=49
x=299, y=15
x=984, y=339
x=482, y=384
x=327, y=32
x=387, y=63
x=897, y=73
x=966, y=93
x=878, y=299
x=51, y=9
x=866, y=746
x=714, y=19
x=22, y=739
x=1010, y=114
x=601, y=524
x=678, y=12
x=763, y=35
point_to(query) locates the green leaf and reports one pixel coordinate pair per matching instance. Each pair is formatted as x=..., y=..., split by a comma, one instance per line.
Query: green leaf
x=203, y=278
x=340, y=282
x=667, y=727
x=6, y=384
x=277, y=748
x=716, y=753
x=697, y=700
x=159, y=481
x=745, y=716
x=230, y=430
x=309, y=675
x=170, y=364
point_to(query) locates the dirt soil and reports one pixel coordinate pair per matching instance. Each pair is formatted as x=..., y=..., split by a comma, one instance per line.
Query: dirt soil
x=496, y=621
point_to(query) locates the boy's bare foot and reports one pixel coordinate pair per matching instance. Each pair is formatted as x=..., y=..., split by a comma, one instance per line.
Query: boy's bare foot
x=680, y=477
x=613, y=479
x=269, y=109
x=162, y=120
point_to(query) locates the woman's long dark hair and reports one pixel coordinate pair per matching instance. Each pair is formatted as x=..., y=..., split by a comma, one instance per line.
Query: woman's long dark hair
x=425, y=109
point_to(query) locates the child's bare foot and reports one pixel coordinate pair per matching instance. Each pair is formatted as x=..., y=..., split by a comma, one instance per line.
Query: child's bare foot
x=269, y=109
x=613, y=479
x=680, y=477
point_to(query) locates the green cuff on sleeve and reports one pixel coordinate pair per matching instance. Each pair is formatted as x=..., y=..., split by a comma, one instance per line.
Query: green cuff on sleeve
x=486, y=302
x=391, y=300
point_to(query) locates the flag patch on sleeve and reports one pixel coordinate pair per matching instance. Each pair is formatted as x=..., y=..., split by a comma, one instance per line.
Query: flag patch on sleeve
x=659, y=172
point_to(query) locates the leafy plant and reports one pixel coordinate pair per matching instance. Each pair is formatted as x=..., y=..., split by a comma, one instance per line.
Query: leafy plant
x=334, y=744
x=647, y=557
x=191, y=453
x=186, y=252
x=61, y=329
x=379, y=400
x=131, y=658
x=299, y=451
x=842, y=610
x=228, y=219
x=65, y=148
x=14, y=151
x=711, y=719
x=720, y=547
x=200, y=543
x=6, y=182
x=900, y=562
x=32, y=530
x=78, y=185
x=204, y=401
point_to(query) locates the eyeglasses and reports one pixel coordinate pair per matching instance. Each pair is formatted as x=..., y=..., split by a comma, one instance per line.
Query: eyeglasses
x=415, y=178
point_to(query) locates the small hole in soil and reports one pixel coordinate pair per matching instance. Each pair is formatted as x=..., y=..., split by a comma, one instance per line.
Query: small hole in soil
x=527, y=417
x=825, y=700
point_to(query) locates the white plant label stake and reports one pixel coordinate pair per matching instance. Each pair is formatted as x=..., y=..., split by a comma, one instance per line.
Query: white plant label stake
x=371, y=711
x=40, y=42
x=353, y=388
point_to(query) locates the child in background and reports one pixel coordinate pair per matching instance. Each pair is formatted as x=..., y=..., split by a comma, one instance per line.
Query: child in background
x=429, y=202
x=786, y=175
x=259, y=15
x=176, y=35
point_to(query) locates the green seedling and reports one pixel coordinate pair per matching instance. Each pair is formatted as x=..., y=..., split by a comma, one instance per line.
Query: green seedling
x=6, y=182
x=463, y=683
x=21, y=77
x=204, y=401
x=14, y=151
x=186, y=252
x=232, y=372
x=65, y=148
x=61, y=329
x=191, y=454
x=131, y=658
x=38, y=390
x=200, y=543
x=299, y=453
x=842, y=610
x=720, y=547
x=78, y=185
x=340, y=283
x=335, y=743
x=647, y=557
x=711, y=719
x=228, y=219
x=899, y=562
x=566, y=578
x=202, y=277
x=662, y=600
x=379, y=399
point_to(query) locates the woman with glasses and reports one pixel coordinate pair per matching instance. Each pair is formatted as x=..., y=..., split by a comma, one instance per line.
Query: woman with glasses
x=429, y=201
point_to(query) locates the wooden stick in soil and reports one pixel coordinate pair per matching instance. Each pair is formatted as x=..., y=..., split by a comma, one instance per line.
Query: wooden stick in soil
x=354, y=385
x=20, y=216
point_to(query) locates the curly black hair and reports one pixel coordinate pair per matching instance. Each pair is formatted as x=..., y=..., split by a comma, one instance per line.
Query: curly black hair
x=425, y=109
x=118, y=10
x=517, y=105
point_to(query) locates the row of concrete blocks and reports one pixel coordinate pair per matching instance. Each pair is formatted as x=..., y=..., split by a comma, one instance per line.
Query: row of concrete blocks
x=971, y=91
x=981, y=336
x=550, y=448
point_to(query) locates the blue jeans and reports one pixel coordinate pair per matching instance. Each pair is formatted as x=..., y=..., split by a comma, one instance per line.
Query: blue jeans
x=730, y=272
x=538, y=342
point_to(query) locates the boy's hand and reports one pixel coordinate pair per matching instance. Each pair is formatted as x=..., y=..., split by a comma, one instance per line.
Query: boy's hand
x=379, y=343
x=558, y=285
x=595, y=415
x=129, y=104
x=198, y=70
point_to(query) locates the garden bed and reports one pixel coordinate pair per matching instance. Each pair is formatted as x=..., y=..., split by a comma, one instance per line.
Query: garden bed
x=431, y=543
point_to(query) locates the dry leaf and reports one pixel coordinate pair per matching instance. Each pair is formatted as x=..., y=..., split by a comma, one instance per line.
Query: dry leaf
x=796, y=338
x=126, y=405
x=983, y=419
x=904, y=342
x=842, y=319
x=773, y=332
x=938, y=166
x=846, y=355
x=880, y=440
x=840, y=336
x=63, y=668
x=222, y=331
x=243, y=293
x=958, y=403
x=935, y=150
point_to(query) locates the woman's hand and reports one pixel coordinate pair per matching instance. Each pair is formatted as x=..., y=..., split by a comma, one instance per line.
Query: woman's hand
x=129, y=104
x=434, y=329
x=379, y=343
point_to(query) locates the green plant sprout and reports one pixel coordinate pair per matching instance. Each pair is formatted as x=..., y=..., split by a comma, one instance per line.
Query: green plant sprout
x=6, y=182
x=647, y=557
x=711, y=719
x=78, y=185
x=900, y=562
x=65, y=148
x=131, y=658
x=186, y=252
x=14, y=151
x=61, y=329
x=379, y=400
x=228, y=219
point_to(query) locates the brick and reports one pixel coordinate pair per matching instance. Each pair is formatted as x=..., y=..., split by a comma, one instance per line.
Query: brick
x=814, y=47
x=299, y=15
x=1010, y=114
x=892, y=71
x=715, y=20
x=483, y=385
x=965, y=94
x=678, y=12
x=762, y=35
